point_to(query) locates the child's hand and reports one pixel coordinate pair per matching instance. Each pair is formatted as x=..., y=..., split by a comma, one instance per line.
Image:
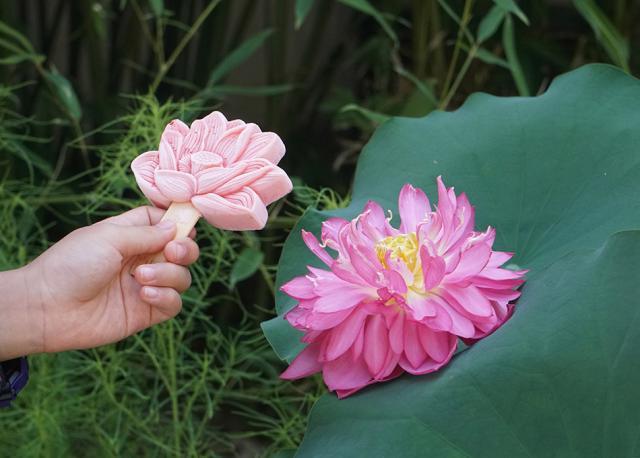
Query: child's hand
x=83, y=289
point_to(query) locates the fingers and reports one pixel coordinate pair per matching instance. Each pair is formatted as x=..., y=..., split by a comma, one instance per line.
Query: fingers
x=141, y=216
x=135, y=240
x=165, y=275
x=182, y=251
x=165, y=302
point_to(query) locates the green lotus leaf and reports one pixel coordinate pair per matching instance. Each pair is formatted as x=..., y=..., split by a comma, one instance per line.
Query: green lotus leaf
x=557, y=175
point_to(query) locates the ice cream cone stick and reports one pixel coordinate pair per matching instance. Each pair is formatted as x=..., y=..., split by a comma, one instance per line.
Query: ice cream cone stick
x=185, y=216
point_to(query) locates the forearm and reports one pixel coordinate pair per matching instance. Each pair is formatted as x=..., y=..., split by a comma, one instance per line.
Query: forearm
x=20, y=316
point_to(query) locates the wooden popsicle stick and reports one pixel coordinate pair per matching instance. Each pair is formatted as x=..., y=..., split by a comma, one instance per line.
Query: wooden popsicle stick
x=185, y=216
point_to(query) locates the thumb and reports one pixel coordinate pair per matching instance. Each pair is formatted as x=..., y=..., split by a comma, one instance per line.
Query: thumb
x=134, y=240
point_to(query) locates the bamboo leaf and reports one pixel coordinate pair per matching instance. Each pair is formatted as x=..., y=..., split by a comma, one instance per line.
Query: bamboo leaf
x=490, y=23
x=365, y=7
x=489, y=58
x=238, y=56
x=63, y=90
x=606, y=33
x=508, y=41
x=157, y=6
x=302, y=10
x=247, y=263
x=17, y=36
x=374, y=116
x=511, y=6
x=22, y=57
x=268, y=90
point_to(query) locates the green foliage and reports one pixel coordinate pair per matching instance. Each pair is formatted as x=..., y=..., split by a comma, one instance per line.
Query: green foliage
x=613, y=42
x=86, y=86
x=560, y=376
x=248, y=262
x=559, y=380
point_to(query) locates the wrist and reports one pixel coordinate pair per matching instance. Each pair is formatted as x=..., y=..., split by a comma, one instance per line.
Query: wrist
x=21, y=315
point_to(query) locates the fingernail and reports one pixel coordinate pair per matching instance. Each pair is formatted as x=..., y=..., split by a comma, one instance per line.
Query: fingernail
x=146, y=273
x=151, y=292
x=166, y=225
x=180, y=251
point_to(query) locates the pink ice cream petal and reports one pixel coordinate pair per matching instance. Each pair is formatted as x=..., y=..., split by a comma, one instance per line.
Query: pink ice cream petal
x=273, y=185
x=242, y=143
x=217, y=125
x=168, y=159
x=267, y=145
x=251, y=172
x=172, y=138
x=227, y=143
x=144, y=167
x=414, y=206
x=203, y=160
x=176, y=186
x=184, y=164
x=235, y=123
x=304, y=365
x=195, y=140
x=210, y=180
x=241, y=211
x=178, y=126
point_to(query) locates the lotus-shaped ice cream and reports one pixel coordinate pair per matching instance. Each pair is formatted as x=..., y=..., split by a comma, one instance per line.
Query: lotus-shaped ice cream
x=226, y=169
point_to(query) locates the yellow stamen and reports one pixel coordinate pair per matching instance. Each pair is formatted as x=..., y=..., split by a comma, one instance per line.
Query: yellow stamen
x=403, y=247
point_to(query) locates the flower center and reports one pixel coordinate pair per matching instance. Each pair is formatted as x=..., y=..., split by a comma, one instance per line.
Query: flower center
x=403, y=247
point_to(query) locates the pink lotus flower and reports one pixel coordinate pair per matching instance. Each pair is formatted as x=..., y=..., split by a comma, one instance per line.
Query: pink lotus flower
x=396, y=300
x=226, y=169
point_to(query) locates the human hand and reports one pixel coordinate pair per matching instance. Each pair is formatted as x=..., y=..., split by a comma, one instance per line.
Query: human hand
x=82, y=289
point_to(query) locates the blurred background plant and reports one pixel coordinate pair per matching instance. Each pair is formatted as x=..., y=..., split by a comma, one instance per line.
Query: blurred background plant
x=87, y=85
